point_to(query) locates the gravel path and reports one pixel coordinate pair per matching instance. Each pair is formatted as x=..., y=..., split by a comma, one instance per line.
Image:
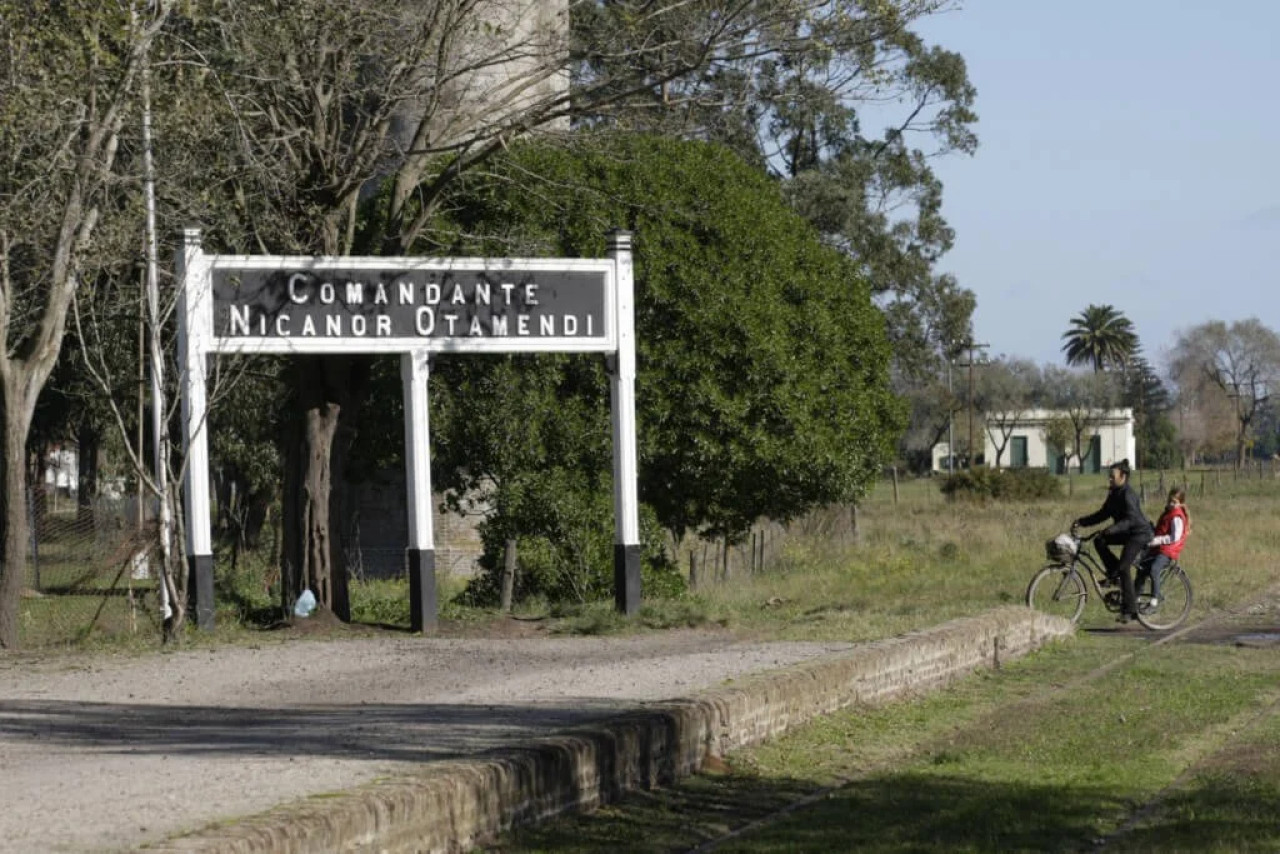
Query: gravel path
x=108, y=753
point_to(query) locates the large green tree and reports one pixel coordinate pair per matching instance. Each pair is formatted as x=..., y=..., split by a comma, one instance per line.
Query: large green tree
x=848, y=105
x=763, y=365
x=322, y=96
x=1100, y=337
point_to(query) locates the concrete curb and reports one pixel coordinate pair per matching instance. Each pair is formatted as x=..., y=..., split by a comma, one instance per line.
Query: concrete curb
x=453, y=803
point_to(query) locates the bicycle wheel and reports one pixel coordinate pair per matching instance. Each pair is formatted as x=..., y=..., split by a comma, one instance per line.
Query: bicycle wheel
x=1175, y=601
x=1058, y=590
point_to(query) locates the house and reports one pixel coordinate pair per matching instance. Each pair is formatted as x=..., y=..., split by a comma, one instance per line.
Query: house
x=1110, y=439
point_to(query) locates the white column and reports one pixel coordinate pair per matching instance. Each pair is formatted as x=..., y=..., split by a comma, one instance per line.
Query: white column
x=194, y=333
x=626, y=555
x=420, y=556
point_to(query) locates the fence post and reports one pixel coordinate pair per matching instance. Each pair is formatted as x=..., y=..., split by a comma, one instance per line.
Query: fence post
x=32, y=522
x=693, y=571
x=894, y=470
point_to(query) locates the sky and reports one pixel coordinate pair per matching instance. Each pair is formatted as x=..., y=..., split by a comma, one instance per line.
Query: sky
x=1129, y=154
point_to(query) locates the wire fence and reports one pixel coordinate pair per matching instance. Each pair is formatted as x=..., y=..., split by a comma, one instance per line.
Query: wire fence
x=897, y=488
x=91, y=570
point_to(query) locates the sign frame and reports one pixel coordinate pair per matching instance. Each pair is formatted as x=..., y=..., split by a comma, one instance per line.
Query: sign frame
x=197, y=341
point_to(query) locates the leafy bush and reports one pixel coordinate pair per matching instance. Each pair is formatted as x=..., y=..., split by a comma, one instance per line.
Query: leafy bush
x=569, y=556
x=1002, y=484
x=763, y=385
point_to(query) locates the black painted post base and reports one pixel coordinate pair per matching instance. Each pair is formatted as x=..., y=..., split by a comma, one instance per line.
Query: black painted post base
x=626, y=578
x=200, y=589
x=423, y=607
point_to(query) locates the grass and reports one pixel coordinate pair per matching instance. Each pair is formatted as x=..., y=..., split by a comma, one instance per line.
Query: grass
x=1030, y=759
x=913, y=563
x=1178, y=750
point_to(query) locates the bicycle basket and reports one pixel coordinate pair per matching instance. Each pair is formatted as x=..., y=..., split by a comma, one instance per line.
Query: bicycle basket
x=1061, y=549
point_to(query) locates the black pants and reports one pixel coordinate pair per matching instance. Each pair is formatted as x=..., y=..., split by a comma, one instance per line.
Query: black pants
x=1118, y=566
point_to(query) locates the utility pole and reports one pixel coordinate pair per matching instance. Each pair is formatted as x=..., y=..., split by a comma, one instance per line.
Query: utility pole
x=951, y=417
x=972, y=347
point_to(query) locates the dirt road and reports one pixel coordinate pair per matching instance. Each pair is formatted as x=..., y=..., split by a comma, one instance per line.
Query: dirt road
x=109, y=753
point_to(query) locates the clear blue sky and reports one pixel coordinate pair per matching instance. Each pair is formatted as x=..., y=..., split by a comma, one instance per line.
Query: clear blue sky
x=1129, y=155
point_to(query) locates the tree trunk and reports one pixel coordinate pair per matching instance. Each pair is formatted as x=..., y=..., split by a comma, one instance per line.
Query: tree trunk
x=15, y=418
x=307, y=560
x=508, y=574
x=330, y=390
x=89, y=441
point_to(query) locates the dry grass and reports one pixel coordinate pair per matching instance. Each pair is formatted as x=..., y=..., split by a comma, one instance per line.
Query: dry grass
x=923, y=560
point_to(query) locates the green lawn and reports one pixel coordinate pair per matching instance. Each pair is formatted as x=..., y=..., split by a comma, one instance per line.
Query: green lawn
x=1177, y=750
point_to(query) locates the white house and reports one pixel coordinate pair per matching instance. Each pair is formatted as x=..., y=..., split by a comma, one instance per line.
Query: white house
x=1111, y=440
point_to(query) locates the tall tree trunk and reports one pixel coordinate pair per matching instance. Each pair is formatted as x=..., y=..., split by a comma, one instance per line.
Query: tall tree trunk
x=330, y=390
x=15, y=419
x=307, y=559
x=508, y=574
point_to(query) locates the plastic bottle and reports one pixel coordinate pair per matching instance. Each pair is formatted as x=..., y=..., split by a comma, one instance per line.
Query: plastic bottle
x=305, y=605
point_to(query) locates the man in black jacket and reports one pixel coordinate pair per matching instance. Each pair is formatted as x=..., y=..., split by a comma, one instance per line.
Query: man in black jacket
x=1129, y=529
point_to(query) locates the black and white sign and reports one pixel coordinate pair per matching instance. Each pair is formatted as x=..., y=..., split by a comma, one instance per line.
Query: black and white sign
x=414, y=307
x=459, y=304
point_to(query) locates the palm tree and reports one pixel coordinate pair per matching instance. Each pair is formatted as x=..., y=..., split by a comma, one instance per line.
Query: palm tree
x=1100, y=336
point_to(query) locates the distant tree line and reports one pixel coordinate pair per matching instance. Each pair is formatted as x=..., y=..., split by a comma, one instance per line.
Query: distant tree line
x=1212, y=402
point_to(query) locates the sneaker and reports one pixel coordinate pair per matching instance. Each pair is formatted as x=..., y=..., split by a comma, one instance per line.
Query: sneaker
x=1126, y=618
x=1151, y=606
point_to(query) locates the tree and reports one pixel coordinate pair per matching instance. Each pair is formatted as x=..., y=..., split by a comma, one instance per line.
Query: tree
x=1100, y=336
x=1206, y=424
x=1005, y=393
x=792, y=98
x=1083, y=400
x=1147, y=396
x=762, y=388
x=60, y=126
x=932, y=406
x=1242, y=360
x=325, y=96
x=1060, y=434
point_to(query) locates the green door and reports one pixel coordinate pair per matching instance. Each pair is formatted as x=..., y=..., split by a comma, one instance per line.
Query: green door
x=1055, y=459
x=1093, y=460
x=1018, y=452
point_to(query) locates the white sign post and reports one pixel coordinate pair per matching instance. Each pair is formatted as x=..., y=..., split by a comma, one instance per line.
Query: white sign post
x=413, y=307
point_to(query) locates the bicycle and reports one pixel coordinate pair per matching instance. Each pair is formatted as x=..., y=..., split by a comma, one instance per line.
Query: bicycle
x=1060, y=587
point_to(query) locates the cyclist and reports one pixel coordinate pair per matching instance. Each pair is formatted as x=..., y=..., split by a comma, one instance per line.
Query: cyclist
x=1129, y=529
x=1171, y=535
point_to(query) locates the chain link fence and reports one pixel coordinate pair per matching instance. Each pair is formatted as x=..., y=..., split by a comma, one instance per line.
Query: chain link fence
x=91, y=570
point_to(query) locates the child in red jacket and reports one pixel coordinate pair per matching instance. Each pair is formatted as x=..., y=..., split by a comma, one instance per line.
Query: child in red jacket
x=1171, y=535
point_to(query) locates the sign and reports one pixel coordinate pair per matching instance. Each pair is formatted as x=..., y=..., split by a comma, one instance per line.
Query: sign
x=414, y=307
x=459, y=304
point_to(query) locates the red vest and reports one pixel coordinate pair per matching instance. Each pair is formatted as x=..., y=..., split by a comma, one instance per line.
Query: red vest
x=1165, y=526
